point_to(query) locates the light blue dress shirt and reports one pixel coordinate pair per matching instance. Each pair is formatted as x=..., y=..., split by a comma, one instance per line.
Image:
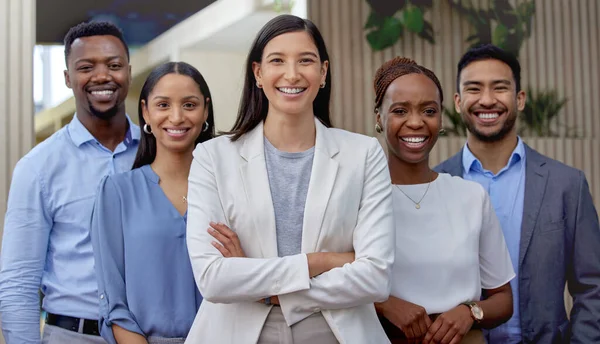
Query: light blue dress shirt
x=145, y=279
x=507, y=191
x=46, y=229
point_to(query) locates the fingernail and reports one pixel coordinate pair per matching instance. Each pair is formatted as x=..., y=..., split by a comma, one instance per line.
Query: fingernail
x=210, y=230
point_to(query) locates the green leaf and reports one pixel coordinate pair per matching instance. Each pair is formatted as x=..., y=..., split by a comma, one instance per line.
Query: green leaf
x=386, y=35
x=413, y=19
x=499, y=36
x=374, y=20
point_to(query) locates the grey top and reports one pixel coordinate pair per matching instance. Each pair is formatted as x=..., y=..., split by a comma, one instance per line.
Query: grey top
x=289, y=176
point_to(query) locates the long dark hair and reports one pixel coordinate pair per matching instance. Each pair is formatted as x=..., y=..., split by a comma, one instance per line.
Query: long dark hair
x=254, y=105
x=146, y=152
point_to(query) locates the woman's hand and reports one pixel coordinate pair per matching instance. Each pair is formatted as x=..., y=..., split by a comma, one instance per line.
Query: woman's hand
x=410, y=318
x=450, y=327
x=227, y=242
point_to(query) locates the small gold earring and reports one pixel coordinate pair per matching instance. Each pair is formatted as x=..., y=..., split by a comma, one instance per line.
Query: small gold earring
x=258, y=84
x=442, y=131
x=378, y=128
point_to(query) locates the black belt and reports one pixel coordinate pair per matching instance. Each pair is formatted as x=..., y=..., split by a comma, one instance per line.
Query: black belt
x=72, y=324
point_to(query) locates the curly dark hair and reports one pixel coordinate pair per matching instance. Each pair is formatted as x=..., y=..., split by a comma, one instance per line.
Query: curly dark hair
x=94, y=28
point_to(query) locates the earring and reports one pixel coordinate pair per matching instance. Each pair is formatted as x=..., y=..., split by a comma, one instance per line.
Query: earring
x=147, y=129
x=378, y=128
x=258, y=84
x=323, y=84
x=442, y=131
x=205, y=127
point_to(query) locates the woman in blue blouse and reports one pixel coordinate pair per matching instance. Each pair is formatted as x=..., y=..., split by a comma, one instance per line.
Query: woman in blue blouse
x=145, y=282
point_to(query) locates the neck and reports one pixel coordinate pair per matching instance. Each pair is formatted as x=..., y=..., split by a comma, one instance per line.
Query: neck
x=172, y=166
x=404, y=173
x=109, y=132
x=493, y=155
x=290, y=133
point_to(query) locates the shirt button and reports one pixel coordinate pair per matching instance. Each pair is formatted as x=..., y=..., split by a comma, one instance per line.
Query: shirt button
x=101, y=296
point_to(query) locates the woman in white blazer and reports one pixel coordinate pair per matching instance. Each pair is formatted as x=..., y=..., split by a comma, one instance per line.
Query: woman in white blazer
x=290, y=229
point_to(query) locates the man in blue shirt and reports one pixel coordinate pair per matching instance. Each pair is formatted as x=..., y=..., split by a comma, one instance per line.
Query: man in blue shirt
x=46, y=239
x=545, y=208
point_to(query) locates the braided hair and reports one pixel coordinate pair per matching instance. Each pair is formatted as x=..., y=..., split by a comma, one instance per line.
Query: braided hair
x=395, y=68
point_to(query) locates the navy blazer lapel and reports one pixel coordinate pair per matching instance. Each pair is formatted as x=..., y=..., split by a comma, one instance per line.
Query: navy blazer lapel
x=536, y=178
x=452, y=166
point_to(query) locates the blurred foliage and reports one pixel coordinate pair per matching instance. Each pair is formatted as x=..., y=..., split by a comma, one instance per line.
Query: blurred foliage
x=540, y=113
x=503, y=24
x=457, y=127
x=389, y=19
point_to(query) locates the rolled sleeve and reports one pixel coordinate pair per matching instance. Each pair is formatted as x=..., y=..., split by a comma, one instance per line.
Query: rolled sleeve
x=27, y=226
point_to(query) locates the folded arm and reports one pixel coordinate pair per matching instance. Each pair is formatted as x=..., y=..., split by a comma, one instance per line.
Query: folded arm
x=367, y=279
x=231, y=280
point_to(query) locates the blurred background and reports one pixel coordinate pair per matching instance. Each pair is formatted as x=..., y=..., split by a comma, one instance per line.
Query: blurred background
x=557, y=42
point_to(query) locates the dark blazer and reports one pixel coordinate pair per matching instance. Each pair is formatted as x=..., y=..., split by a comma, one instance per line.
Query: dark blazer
x=560, y=243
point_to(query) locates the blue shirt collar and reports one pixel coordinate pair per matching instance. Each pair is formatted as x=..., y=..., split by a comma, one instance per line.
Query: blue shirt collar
x=80, y=135
x=471, y=163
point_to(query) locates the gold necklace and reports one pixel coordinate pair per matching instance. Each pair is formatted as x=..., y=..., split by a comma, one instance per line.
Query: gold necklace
x=417, y=204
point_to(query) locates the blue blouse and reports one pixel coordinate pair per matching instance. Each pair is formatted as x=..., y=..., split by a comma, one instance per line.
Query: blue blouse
x=145, y=279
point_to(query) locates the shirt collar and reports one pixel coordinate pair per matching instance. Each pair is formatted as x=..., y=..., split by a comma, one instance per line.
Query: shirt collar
x=470, y=162
x=80, y=135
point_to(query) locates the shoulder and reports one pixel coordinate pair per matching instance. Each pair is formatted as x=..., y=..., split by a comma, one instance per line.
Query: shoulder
x=354, y=143
x=466, y=187
x=560, y=174
x=450, y=164
x=50, y=149
x=218, y=145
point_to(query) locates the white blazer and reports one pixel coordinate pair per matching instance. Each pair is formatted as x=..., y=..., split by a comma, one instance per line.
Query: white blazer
x=348, y=208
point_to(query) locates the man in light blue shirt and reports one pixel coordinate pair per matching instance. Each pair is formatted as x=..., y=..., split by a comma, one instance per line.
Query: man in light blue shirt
x=545, y=208
x=46, y=239
x=507, y=190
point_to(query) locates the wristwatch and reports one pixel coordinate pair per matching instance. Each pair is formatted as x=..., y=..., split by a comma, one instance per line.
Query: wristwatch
x=476, y=311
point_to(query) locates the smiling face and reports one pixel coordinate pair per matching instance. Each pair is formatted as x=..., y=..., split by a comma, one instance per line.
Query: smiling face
x=176, y=111
x=488, y=100
x=410, y=117
x=99, y=74
x=290, y=73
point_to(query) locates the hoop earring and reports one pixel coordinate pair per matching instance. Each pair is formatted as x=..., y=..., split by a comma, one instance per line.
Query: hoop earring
x=147, y=129
x=378, y=128
x=442, y=131
x=258, y=84
x=205, y=127
x=323, y=84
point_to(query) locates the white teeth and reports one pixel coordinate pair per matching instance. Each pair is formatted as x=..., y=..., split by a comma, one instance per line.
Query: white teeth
x=102, y=93
x=176, y=131
x=413, y=139
x=492, y=115
x=290, y=90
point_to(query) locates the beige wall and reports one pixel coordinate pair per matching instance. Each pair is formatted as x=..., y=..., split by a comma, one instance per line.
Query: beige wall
x=223, y=72
x=563, y=53
x=17, y=38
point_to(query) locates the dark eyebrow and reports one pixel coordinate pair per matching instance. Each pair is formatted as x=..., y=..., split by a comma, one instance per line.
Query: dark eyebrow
x=407, y=103
x=167, y=98
x=301, y=54
x=89, y=60
x=494, y=82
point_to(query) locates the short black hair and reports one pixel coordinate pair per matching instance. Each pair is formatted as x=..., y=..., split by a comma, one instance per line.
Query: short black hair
x=94, y=28
x=489, y=52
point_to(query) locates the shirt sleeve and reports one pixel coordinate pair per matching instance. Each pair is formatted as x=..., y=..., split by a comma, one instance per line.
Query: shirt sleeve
x=109, y=255
x=367, y=279
x=495, y=265
x=27, y=228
